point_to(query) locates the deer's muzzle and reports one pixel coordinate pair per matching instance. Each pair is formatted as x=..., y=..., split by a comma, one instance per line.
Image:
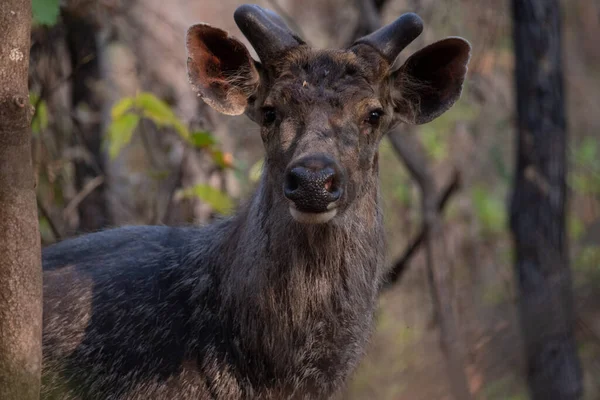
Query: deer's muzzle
x=314, y=185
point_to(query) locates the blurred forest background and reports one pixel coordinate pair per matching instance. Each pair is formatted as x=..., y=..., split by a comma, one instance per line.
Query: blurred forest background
x=120, y=138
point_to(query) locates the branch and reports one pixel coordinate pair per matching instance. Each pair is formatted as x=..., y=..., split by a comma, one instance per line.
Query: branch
x=370, y=21
x=88, y=188
x=439, y=266
x=46, y=214
x=410, y=151
x=288, y=18
x=401, y=265
x=46, y=92
x=176, y=184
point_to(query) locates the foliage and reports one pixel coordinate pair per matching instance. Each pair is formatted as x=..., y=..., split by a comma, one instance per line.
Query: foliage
x=495, y=294
x=575, y=227
x=222, y=159
x=202, y=139
x=126, y=117
x=403, y=193
x=434, y=142
x=148, y=106
x=256, y=170
x=434, y=134
x=505, y=388
x=40, y=119
x=218, y=200
x=127, y=113
x=45, y=12
x=585, y=178
x=120, y=132
x=498, y=160
x=489, y=210
x=587, y=262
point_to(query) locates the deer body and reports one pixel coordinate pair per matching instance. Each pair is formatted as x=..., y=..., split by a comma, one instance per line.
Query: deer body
x=277, y=301
x=158, y=312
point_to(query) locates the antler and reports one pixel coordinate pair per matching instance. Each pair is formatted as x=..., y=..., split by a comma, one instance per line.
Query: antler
x=266, y=31
x=391, y=39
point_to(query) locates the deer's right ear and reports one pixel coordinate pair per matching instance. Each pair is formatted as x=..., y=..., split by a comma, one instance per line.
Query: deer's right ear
x=431, y=80
x=221, y=69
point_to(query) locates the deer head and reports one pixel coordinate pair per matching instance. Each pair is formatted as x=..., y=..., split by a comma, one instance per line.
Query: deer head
x=323, y=113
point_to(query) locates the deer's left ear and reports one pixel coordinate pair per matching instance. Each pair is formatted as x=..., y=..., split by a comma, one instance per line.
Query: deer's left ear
x=430, y=81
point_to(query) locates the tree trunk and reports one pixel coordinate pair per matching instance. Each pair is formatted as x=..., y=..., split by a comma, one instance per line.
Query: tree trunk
x=539, y=202
x=20, y=265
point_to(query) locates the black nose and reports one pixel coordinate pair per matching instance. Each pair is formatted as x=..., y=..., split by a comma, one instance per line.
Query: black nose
x=313, y=183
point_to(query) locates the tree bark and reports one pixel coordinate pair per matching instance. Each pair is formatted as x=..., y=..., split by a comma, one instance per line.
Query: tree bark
x=20, y=265
x=539, y=203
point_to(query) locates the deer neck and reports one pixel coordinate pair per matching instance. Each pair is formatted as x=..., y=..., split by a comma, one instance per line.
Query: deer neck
x=278, y=257
x=304, y=291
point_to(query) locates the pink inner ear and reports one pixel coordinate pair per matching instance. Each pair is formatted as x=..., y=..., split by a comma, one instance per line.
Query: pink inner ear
x=220, y=68
x=206, y=66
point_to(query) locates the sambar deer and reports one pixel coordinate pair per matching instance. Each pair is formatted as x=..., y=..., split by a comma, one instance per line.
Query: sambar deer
x=277, y=301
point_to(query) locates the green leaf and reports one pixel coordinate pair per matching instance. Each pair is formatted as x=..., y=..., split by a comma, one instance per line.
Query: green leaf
x=40, y=121
x=256, y=170
x=219, y=201
x=45, y=12
x=585, y=183
x=490, y=210
x=181, y=129
x=159, y=174
x=120, y=132
x=121, y=107
x=202, y=139
x=575, y=227
x=155, y=109
x=160, y=113
x=403, y=193
x=588, y=259
x=434, y=142
x=223, y=160
x=587, y=151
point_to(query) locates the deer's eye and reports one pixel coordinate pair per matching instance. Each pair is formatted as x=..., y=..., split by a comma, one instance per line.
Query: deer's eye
x=374, y=117
x=269, y=115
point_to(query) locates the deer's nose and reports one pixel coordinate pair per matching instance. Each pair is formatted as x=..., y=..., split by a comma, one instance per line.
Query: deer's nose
x=314, y=183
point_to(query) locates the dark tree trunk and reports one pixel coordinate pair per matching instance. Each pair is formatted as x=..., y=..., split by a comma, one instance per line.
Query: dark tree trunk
x=81, y=39
x=20, y=265
x=539, y=202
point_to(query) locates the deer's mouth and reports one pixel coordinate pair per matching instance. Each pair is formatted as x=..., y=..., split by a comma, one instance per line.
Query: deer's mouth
x=313, y=218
